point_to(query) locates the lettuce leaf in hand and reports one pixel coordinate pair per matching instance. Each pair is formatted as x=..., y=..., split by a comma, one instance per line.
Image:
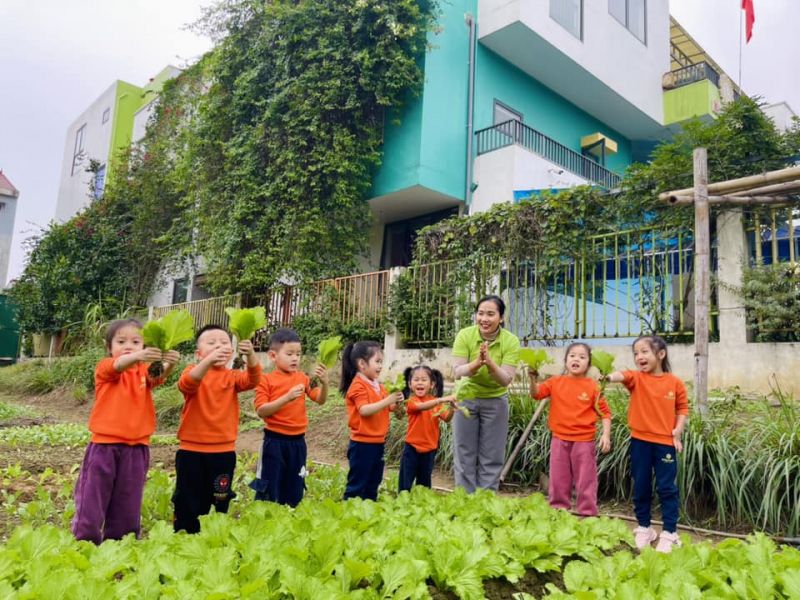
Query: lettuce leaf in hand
x=174, y=328
x=244, y=322
x=398, y=385
x=534, y=359
x=328, y=351
x=604, y=362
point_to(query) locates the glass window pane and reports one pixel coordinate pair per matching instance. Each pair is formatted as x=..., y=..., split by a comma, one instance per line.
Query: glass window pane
x=637, y=19
x=567, y=13
x=617, y=10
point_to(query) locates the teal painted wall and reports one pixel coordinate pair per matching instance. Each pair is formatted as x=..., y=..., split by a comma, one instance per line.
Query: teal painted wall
x=541, y=108
x=429, y=146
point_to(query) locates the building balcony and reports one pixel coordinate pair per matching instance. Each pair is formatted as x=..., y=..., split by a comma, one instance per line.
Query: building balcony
x=514, y=159
x=691, y=91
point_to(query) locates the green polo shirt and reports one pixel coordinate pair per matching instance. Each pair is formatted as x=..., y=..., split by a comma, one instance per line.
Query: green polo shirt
x=504, y=350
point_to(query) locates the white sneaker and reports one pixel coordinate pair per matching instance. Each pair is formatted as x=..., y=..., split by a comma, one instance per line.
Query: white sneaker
x=666, y=541
x=644, y=536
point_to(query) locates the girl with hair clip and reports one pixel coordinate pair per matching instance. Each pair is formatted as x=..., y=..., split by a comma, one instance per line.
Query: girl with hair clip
x=575, y=406
x=368, y=407
x=424, y=388
x=656, y=416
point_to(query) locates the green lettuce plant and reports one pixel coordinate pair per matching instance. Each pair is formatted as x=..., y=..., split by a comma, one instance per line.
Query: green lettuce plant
x=327, y=354
x=243, y=324
x=166, y=333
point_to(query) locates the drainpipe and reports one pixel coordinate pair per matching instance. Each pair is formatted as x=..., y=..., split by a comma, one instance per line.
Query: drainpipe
x=470, y=21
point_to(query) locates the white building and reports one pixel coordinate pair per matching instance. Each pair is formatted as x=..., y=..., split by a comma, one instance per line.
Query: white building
x=8, y=208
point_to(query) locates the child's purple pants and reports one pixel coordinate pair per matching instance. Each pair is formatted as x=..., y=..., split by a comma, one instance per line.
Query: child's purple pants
x=573, y=463
x=108, y=495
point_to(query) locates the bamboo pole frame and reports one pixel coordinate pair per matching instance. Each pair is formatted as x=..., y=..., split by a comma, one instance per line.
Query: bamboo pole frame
x=791, y=174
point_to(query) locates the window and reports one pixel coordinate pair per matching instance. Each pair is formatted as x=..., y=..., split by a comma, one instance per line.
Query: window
x=398, y=237
x=180, y=289
x=504, y=113
x=77, y=155
x=106, y=115
x=633, y=16
x=99, y=182
x=568, y=14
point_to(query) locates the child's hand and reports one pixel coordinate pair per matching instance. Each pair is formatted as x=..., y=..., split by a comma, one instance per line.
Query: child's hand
x=447, y=400
x=321, y=373
x=605, y=443
x=149, y=355
x=397, y=398
x=533, y=374
x=296, y=391
x=246, y=347
x=172, y=357
x=676, y=439
x=219, y=356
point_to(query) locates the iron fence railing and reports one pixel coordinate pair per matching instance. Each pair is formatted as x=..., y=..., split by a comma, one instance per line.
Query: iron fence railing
x=515, y=132
x=204, y=312
x=621, y=285
x=691, y=74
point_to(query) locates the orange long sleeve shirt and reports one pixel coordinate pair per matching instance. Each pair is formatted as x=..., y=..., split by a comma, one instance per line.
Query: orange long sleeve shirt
x=123, y=411
x=423, y=425
x=575, y=407
x=210, y=415
x=291, y=418
x=371, y=429
x=656, y=401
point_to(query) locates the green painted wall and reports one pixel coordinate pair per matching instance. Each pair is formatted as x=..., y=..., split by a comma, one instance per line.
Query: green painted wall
x=697, y=99
x=127, y=101
x=429, y=147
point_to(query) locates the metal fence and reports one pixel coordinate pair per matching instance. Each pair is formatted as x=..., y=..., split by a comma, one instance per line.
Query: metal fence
x=691, y=74
x=204, y=312
x=623, y=285
x=515, y=132
x=620, y=286
x=772, y=235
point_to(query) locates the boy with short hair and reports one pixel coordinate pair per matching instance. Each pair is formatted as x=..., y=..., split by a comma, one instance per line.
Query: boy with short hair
x=209, y=424
x=280, y=401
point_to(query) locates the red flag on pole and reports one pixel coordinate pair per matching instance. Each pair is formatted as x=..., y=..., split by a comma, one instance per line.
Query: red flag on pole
x=749, y=18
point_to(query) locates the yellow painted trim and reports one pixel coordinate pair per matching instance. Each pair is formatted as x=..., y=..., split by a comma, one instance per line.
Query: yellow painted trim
x=588, y=140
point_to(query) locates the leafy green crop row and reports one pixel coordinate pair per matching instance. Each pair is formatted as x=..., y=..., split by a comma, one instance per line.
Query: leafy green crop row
x=61, y=434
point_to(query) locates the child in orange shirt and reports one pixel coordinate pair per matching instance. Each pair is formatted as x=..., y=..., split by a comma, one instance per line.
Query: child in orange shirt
x=656, y=415
x=368, y=406
x=209, y=424
x=575, y=405
x=281, y=402
x=422, y=438
x=108, y=495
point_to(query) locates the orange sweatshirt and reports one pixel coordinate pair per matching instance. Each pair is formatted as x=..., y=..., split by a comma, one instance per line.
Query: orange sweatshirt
x=123, y=411
x=210, y=415
x=656, y=401
x=423, y=425
x=371, y=429
x=292, y=418
x=575, y=406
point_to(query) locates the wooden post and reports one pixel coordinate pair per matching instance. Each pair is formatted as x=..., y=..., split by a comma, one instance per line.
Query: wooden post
x=702, y=268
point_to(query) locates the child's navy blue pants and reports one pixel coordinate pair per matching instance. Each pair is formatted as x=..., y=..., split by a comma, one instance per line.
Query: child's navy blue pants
x=417, y=466
x=366, y=470
x=648, y=458
x=281, y=472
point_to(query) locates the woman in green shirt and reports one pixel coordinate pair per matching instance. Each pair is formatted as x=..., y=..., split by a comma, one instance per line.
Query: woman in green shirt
x=487, y=355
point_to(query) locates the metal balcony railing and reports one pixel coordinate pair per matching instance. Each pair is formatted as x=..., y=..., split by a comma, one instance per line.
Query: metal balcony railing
x=515, y=132
x=690, y=74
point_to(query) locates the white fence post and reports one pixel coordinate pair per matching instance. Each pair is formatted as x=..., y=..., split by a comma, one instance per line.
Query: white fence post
x=731, y=258
x=391, y=339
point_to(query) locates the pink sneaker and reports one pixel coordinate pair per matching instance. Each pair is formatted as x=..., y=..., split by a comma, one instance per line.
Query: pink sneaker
x=644, y=536
x=666, y=541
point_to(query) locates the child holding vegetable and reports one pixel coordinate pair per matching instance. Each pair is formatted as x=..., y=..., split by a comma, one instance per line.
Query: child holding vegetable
x=424, y=413
x=280, y=401
x=368, y=406
x=656, y=415
x=108, y=495
x=209, y=424
x=575, y=405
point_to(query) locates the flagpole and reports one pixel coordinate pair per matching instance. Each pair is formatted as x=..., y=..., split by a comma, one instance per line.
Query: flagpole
x=740, y=49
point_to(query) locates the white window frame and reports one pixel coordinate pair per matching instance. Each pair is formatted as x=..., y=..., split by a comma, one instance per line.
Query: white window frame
x=554, y=16
x=627, y=22
x=77, y=154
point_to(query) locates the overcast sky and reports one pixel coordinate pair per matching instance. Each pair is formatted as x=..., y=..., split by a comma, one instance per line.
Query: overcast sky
x=58, y=56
